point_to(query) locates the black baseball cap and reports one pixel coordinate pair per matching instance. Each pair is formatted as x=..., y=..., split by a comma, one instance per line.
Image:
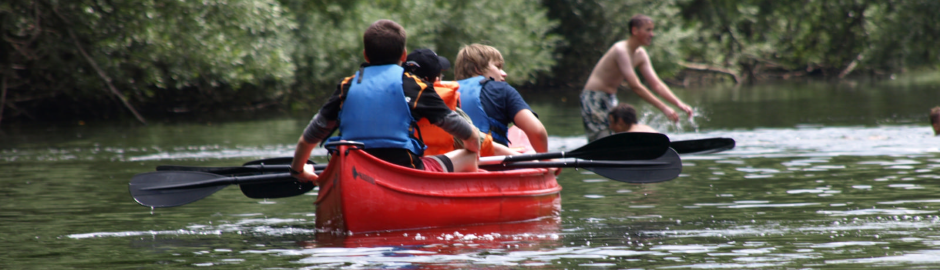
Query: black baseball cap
x=426, y=63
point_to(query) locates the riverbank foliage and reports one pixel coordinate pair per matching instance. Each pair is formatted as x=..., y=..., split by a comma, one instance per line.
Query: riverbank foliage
x=102, y=59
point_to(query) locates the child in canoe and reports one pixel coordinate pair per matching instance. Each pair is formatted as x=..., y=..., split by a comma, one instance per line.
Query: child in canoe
x=380, y=105
x=492, y=103
x=428, y=66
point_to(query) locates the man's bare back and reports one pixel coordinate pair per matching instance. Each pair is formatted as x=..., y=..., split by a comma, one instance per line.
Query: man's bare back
x=607, y=74
x=616, y=67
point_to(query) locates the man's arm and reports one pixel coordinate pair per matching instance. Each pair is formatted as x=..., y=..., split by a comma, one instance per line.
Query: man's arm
x=646, y=68
x=625, y=63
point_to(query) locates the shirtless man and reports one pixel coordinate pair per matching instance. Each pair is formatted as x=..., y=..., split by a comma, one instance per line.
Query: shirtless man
x=615, y=67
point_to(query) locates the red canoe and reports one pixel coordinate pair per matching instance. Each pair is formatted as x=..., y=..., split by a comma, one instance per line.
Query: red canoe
x=360, y=193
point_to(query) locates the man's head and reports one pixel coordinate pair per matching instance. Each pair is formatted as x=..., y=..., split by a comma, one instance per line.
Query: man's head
x=621, y=118
x=478, y=59
x=426, y=64
x=935, y=120
x=384, y=42
x=641, y=29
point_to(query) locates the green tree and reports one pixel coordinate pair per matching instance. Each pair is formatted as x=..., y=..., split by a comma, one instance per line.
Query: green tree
x=813, y=37
x=330, y=35
x=192, y=52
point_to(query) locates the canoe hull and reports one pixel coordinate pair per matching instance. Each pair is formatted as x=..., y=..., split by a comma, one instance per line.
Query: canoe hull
x=360, y=193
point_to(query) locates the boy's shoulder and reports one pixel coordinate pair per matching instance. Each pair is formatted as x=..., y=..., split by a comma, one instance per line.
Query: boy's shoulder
x=500, y=88
x=499, y=84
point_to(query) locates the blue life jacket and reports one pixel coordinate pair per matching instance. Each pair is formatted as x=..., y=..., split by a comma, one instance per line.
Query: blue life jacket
x=376, y=113
x=471, y=104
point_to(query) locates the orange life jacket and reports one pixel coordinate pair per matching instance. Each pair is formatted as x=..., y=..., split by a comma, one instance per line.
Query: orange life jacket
x=438, y=140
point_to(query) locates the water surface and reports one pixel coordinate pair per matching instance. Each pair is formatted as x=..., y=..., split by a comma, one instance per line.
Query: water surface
x=824, y=176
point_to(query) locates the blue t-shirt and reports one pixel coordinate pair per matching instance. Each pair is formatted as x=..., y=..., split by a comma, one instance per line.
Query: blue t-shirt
x=502, y=102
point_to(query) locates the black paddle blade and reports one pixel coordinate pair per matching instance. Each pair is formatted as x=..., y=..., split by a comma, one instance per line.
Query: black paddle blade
x=276, y=189
x=142, y=187
x=620, y=146
x=644, y=174
x=703, y=146
x=624, y=146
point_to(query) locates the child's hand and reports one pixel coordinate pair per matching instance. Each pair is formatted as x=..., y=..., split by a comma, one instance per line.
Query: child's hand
x=472, y=144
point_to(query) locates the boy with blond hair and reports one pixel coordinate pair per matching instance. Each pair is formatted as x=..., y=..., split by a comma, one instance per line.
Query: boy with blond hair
x=492, y=103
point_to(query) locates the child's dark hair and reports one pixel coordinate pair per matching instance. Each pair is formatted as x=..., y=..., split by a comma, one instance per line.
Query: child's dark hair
x=384, y=42
x=624, y=112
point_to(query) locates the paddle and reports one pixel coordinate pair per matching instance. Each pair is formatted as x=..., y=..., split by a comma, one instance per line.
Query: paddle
x=277, y=189
x=278, y=164
x=703, y=146
x=168, y=189
x=620, y=146
x=264, y=190
x=690, y=147
x=665, y=168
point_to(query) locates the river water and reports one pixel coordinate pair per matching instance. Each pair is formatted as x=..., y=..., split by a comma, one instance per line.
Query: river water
x=824, y=176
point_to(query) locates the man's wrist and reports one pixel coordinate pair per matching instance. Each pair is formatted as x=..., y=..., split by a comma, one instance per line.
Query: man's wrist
x=293, y=171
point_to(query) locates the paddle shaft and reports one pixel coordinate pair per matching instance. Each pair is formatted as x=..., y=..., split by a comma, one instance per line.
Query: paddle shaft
x=286, y=177
x=234, y=170
x=175, y=188
x=576, y=163
x=229, y=180
x=486, y=162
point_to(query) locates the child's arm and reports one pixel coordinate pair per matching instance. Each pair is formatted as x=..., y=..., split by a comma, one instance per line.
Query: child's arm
x=534, y=130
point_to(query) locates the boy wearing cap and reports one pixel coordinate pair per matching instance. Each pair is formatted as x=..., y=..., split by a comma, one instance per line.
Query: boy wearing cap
x=379, y=106
x=428, y=65
x=491, y=102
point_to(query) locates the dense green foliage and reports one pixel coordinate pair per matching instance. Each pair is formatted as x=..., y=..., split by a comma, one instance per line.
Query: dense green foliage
x=330, y=35
x=82, y=58
x=158, y=53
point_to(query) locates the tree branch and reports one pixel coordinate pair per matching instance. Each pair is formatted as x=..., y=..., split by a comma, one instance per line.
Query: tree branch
x=703, y=67
x=851, y=67
x=101, y=73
